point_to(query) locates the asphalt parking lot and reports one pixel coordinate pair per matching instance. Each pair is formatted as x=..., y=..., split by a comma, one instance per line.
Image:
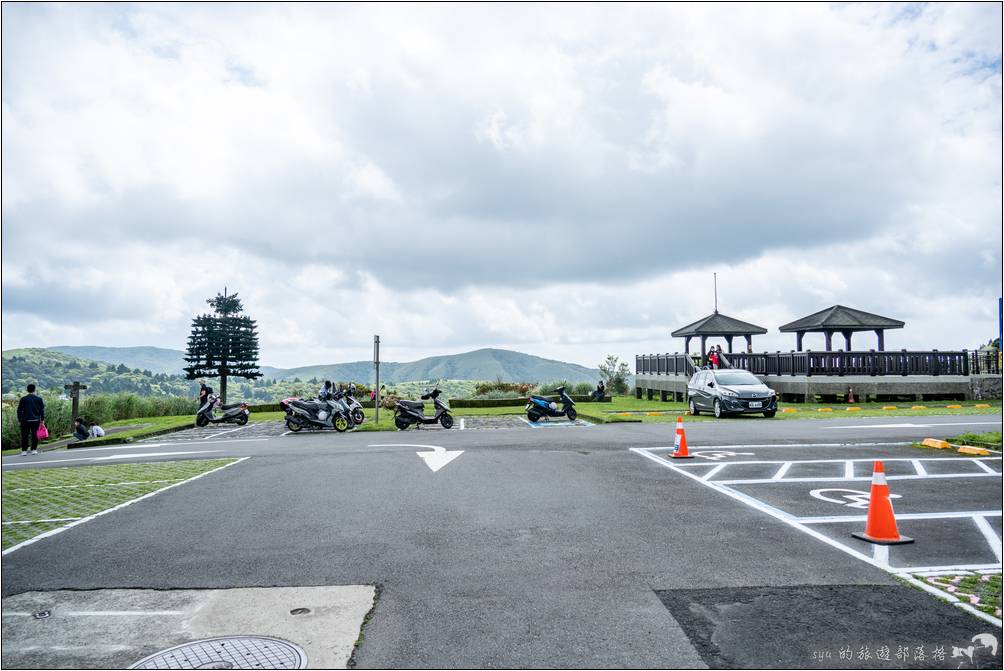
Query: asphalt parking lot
x=563, y=548
x=949, y=503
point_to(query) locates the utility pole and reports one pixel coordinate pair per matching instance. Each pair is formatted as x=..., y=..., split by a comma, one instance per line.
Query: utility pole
x=716, y=292
x=376, y=385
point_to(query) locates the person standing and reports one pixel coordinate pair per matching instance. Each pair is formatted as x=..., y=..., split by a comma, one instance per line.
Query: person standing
x=30, y=414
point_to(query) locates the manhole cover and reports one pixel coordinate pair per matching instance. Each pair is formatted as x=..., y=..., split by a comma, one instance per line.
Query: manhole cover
x=228, y=652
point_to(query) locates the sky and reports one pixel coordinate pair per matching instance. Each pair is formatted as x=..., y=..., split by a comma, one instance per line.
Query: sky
x=562, y=180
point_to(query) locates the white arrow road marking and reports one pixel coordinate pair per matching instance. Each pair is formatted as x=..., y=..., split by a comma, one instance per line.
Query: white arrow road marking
x=435, y=460
x=852, y=498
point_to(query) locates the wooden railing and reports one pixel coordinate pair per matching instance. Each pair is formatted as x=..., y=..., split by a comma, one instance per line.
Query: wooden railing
x=664, y=364
x=811, y=363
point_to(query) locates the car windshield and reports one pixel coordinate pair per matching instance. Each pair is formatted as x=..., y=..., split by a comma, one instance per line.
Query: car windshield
x=735, y=377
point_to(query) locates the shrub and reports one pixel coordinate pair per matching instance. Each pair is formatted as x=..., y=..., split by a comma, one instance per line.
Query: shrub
x=483, y=389
x=582, y=389
x=547, y=388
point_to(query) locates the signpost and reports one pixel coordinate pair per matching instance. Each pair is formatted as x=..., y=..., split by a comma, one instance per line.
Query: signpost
x=376, y=385
x=74, y=390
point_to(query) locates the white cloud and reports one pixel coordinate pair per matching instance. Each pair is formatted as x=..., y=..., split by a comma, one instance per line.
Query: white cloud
x=561, y=180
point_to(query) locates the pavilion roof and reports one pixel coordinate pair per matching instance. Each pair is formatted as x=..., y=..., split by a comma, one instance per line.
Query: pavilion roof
x=717, y=324
x=841, y=318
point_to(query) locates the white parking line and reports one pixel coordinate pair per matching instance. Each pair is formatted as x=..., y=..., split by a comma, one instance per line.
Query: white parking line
x=840, y=461
x=909, y=426
x=859, y=478
x=979, y=462
x=781, y=471
x=709, y=474
x=831, y=519
x=111, y=458
x=223, y=433
x=988, y=532
x=786, y=445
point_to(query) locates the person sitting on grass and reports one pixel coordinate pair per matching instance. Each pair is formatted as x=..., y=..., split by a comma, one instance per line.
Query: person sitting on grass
x=80, y=431
x=96, y=431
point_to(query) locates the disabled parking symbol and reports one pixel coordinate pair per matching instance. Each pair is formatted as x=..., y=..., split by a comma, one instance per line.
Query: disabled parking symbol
x=852, y=498
x=716, y=455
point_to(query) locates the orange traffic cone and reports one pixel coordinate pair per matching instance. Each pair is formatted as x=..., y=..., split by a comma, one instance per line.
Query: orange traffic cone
x=881, y=525
x=680, y=444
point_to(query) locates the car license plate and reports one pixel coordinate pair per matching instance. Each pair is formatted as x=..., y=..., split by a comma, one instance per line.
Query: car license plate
x=756, y=404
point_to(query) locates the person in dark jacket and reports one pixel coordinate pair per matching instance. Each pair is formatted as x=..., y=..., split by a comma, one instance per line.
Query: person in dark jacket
x=80, y=431
x=30, y=414
x=204, y=392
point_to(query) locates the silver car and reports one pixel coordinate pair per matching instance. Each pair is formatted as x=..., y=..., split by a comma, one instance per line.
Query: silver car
x=730, y=391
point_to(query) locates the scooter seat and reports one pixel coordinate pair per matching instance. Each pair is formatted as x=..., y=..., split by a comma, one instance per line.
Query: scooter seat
x=230, y=406
x=306, y=405
x=414, y=405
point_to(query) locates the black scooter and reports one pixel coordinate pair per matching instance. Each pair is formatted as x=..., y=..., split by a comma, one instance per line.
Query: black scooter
x=407, y=413
x=234, y=413
x=540, y=406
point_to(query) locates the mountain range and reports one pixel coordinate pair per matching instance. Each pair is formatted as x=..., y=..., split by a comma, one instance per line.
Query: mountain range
x=482, y=364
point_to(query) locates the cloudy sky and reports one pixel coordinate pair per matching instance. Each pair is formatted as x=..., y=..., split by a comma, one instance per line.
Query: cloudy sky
x=562, y=180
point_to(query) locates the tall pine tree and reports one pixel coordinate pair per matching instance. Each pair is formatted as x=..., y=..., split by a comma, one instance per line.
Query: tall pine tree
x=223, y=344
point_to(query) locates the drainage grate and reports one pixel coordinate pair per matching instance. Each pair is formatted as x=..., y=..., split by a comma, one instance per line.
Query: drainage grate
x=228, y=652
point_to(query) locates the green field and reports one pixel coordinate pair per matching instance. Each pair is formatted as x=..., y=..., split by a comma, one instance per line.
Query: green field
x=40, y=500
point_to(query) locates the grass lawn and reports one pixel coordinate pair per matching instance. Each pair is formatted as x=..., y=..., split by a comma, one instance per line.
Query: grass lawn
x=981, y=591
x=39, y=500
x=622, y=404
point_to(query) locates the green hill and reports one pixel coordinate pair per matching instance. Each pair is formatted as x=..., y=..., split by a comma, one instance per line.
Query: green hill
x=50, y=370
x=154, y=359
x=482, y=364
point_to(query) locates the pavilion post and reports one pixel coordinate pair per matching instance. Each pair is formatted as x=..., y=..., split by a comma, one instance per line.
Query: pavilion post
x=704, y=340
x=847, y=340
x=729, y=340
x=749, y=343
x=798, y=340
x=686, y=345
x=881, y=338
x=829, y=340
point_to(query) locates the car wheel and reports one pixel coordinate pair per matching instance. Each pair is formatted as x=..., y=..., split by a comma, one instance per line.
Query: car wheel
x=693, y=408
x=718, y=408
x=770, y=413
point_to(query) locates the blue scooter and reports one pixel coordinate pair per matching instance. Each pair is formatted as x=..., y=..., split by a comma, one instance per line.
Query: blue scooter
x=540, y=406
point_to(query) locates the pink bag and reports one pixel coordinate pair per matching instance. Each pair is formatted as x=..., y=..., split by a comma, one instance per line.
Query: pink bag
x=42, y=432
